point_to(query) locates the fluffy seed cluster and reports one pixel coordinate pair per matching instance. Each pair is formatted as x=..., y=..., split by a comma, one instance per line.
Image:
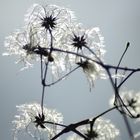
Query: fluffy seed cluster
x=53, y=33
x=30, y=120
x=102, y=130
x=131, y=101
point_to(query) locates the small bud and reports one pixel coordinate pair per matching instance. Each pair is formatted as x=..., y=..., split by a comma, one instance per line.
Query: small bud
x=128, y=44
x=50, y=58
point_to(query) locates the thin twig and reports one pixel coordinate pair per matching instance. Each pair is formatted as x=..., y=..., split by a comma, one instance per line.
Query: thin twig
x=101, y=64
x=116, y=71
x=61, y=78
x=126, y=78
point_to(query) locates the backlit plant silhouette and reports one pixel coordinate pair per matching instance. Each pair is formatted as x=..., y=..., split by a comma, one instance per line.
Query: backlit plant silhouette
x=53, y=37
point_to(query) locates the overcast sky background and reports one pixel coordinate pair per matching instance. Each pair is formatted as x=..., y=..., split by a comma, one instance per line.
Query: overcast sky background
x=119, y=21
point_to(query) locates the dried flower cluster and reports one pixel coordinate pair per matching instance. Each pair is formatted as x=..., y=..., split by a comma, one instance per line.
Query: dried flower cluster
x=101, y=130
x=35, y=124
x=131, y=101
x=51, y=27
x=53, y=37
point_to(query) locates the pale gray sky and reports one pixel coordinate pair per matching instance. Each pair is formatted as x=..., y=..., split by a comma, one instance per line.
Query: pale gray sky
x=119, y=22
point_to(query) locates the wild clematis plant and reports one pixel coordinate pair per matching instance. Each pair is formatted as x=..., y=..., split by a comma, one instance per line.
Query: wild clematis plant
x=53, y=37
